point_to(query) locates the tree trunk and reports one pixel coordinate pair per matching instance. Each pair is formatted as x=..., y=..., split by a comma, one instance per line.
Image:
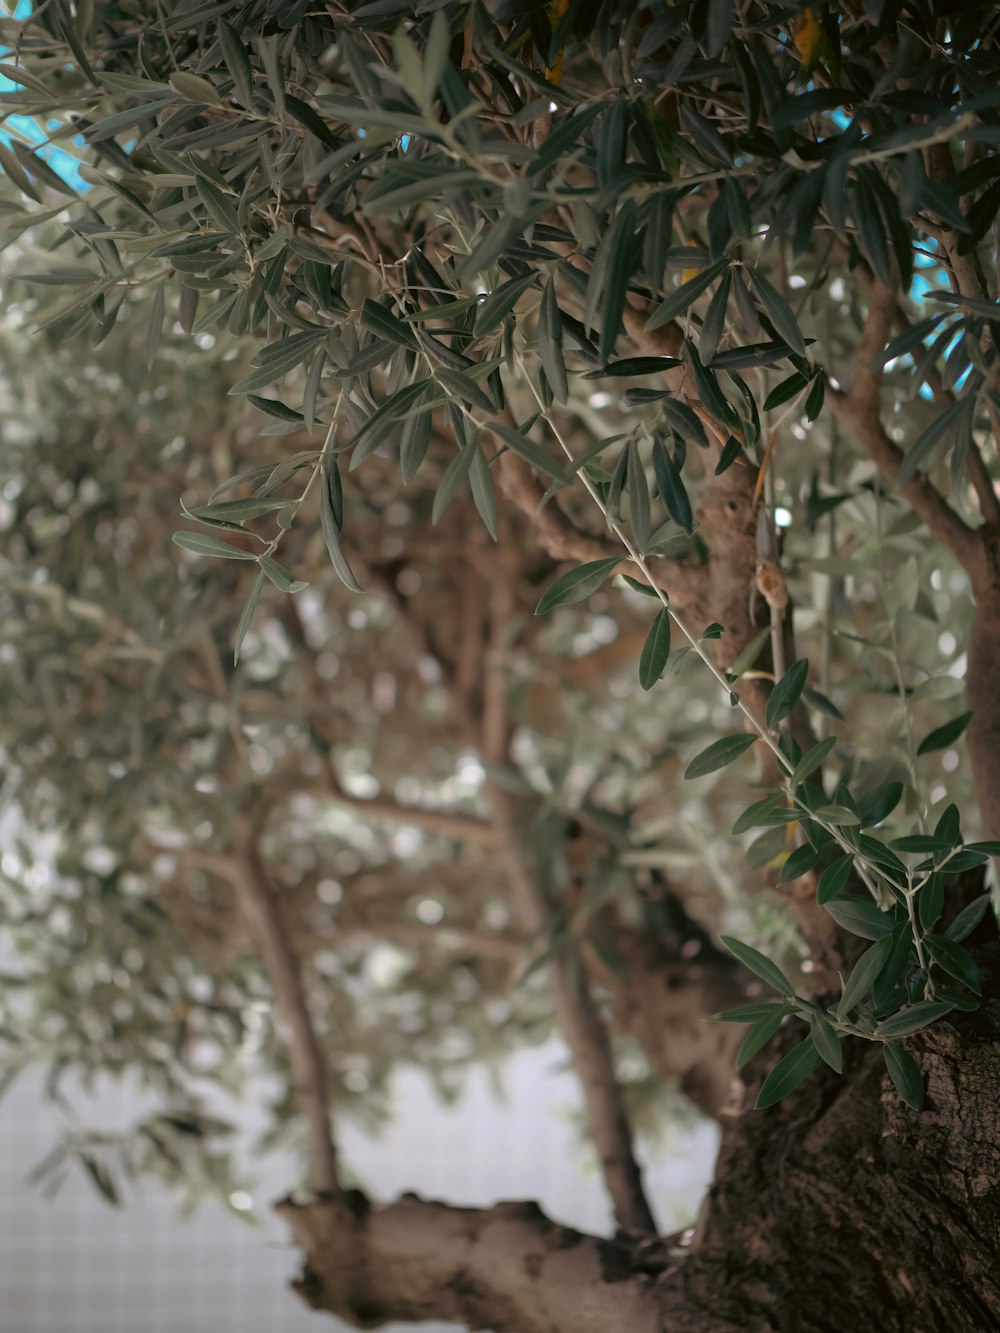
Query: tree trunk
x=838, y=1209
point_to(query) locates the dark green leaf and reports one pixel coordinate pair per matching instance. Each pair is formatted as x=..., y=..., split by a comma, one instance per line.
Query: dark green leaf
x=671, y=488
x=924, y=445
x=202, y=544
x=864, y=974
x=749, y=1013
x=771, y=810
x=834, y=878
x=550, y=343
x=759, y=965
x=655, y=651
x=635, y=366
x=860, y=917
x=812, y=760
x=791, y=1070
x=577, y=584
x=799, y=862
x=905, y=1074
x=384, y=324
x=777, y=310
x=826, y=1041
x=719, y=754
x=968, y=918
x=237, y=62
x=786, y=693
x=941, y=737
x=678, y=301
x=914, y=1018
x=953, y=959
x=759, y=1035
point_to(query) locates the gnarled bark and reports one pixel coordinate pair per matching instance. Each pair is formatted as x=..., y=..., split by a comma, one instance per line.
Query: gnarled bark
x=838, y=1209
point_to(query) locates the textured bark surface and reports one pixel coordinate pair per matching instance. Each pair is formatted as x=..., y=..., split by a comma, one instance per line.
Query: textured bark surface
x=838, y=1209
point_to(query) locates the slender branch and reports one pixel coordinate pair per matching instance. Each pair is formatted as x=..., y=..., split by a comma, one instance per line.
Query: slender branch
x=859, y=409
x=309, y=1075
x=576, y=1012
x=982, y=482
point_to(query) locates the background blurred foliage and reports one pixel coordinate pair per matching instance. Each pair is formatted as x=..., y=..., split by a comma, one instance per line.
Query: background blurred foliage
x=264, y=172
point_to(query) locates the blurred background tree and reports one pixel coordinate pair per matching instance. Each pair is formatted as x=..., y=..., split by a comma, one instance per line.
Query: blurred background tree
x=413, y=313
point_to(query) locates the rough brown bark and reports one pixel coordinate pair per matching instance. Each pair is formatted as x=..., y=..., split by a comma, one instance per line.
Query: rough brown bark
x=838, y=1209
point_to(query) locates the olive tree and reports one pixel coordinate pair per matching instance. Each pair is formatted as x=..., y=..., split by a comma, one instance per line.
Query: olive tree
x=514, y=348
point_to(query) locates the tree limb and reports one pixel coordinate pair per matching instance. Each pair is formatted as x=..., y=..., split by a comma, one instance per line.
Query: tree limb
x=309, y=1075
x=859, y=409
x=508, y=1267
x=576, y=1012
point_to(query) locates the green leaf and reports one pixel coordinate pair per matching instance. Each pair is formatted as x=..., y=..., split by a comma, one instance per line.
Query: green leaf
x=714, y=322
x=799, y=862
x=331, y=519
x=550, y=343
x=635, y=366
x=282, y=578
x=525, y=447
x=671, y=488
x=413, y=442
x=905, y=1074
x=577, y=584
x=941, y=737
x=247, y=616
x=811, y=760
x=860, y=917
x=202, y=544
x=386, y=325
x=638, y=496
x=749, y=655
x=785, y=391
x=236, y=511
x=914, y=1018
x=833, y=879
x=881, y=803
x=939, y=430
x=194, y=89
x=968, y=918
x=759, y=1035
x=483, y=495
x=719, y=754
x=765, y=849
x=678, y=301
x=455, y=474
x=778, y=311
x=237, y=62
x=864, y=974
x=655, y=651
x=499, y=304
x=282, y=357
x=785, y=694
x=749, y=1013
x=826, y=1041
x=218, y=204
x=953, y=959
x=759, y=965
x=791, y=1070
x=771, y=810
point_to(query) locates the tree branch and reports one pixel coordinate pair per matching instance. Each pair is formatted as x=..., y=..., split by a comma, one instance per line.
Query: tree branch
x=860, y=410
x=576, y=1012
x=309, y=1075
x=506, y=1268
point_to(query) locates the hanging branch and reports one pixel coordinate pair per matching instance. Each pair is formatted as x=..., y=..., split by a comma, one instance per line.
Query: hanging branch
x=576, y=1012
x=310, y=1079
x=859, y=409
